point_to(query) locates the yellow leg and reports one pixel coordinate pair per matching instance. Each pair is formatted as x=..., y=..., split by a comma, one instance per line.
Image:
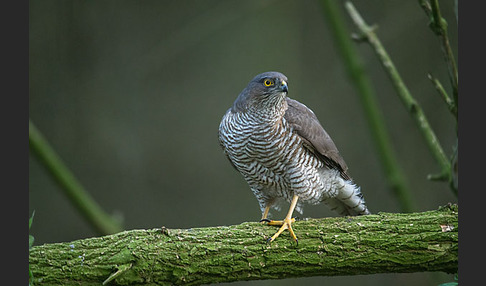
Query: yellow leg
x=286, y=223
x=265, y=214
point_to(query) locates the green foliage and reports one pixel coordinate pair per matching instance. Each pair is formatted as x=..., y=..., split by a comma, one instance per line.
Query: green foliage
x=31, y=237
x=31, y=219
x=31, y=242
x=451, y=283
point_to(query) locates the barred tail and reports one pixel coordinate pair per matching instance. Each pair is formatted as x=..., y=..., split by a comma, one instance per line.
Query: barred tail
x=349, y=200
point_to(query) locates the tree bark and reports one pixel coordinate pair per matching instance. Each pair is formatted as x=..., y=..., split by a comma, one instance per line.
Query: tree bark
x=381, y=243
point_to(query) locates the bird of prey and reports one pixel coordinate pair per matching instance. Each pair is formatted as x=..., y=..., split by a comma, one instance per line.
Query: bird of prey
x=284, y=153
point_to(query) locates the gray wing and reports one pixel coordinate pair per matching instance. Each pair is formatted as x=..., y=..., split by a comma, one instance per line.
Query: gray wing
x=315, y=138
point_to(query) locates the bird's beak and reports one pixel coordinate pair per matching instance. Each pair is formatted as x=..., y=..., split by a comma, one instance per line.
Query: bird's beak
x=283, y=86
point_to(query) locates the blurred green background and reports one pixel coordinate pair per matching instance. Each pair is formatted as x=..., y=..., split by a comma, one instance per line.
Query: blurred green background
x=131, y=93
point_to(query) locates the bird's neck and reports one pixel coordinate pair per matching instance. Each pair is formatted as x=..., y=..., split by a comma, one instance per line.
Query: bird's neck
x=271, y=112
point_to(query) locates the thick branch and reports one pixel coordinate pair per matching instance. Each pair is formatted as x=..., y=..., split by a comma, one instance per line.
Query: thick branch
x=382, y=243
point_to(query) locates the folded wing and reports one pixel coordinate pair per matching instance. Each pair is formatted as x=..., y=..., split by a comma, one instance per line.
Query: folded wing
x=315, y=138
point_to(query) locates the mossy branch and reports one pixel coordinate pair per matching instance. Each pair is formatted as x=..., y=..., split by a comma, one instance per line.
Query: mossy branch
x=382, y=243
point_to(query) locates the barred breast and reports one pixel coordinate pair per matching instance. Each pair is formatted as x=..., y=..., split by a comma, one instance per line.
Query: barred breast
x=271, y=157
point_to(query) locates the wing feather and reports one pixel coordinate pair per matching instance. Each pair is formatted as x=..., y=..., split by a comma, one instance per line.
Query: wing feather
x=315, y=138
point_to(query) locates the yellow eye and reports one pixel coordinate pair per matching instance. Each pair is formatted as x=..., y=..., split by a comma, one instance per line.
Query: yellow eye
x=268, y=82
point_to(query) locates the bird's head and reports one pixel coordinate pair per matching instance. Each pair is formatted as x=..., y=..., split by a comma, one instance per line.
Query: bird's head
x=265, y=91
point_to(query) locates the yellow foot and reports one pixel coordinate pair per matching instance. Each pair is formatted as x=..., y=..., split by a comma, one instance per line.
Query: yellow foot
x=285, y=224
x=276, y=222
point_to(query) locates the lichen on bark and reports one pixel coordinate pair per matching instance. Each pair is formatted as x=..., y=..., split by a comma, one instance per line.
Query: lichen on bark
x=381, y=243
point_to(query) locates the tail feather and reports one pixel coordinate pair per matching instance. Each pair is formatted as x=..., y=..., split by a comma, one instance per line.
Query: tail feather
x=349, y=201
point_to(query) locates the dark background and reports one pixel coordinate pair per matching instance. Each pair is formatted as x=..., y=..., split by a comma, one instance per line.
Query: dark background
x=131, y=93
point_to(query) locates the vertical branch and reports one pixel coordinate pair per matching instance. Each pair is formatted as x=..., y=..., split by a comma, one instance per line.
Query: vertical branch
x=439, y=26
x=442, y=28
x=87, y=206
x=407, y=99
x=374, y=117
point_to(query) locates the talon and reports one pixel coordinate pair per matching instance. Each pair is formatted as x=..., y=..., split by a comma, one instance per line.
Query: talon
x=265, y=220
x=284, y=224
x=279, y=222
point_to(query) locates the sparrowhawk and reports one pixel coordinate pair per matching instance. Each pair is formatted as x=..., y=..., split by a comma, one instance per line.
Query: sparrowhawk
x=284, y=153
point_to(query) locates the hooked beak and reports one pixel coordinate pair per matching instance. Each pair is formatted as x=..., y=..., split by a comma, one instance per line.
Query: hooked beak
x=283, y=86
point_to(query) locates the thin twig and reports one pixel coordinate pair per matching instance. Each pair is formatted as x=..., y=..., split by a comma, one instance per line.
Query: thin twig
x=357, y=74
x=439, y=26
x=121, y=269
x=410, y=103
x=447, y=99
x=87, y=206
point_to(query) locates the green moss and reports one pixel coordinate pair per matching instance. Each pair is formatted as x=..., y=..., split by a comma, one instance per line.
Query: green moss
x=382, y=243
